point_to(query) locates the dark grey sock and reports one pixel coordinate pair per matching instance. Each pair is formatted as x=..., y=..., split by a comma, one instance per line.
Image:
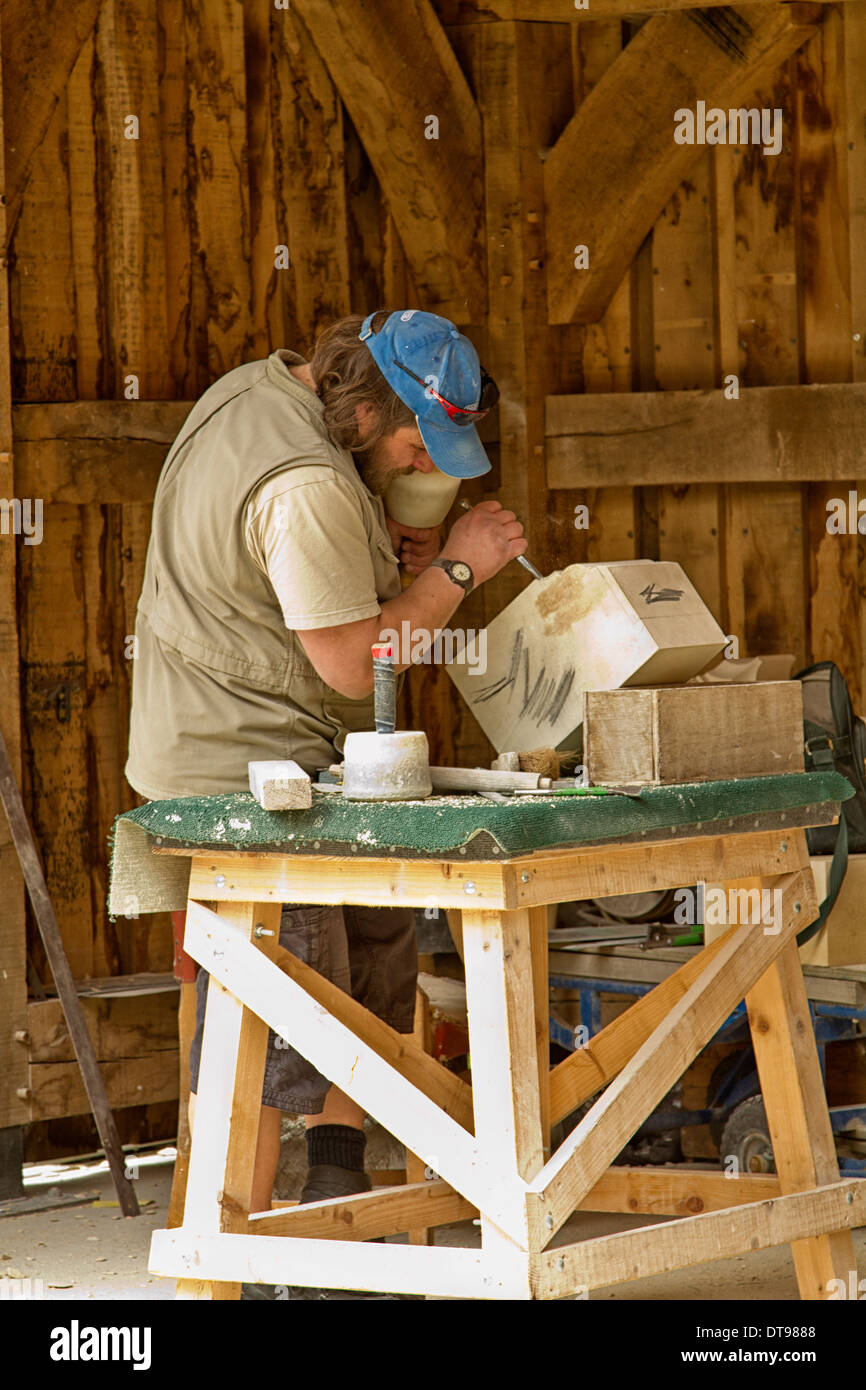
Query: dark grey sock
x=339, y=1145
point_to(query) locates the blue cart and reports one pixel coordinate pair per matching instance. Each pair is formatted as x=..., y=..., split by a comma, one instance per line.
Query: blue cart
x=734, y=1107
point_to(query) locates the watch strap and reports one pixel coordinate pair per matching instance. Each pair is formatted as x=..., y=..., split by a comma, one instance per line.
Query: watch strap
x=466, y=585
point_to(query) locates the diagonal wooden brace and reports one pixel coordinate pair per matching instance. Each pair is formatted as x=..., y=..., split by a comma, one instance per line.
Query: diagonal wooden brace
x=350, y=1063
x=400, y=1049
x=745, y=954
x=590, y=1068
x=716, y=1235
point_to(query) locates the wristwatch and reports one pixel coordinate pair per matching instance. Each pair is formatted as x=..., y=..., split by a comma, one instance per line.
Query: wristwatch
x=458, y=571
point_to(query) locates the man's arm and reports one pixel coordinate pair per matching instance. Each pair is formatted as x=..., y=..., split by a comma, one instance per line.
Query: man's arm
x=486, y=538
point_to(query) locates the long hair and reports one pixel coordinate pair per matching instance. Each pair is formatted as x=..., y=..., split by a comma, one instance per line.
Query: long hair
x=346, y=376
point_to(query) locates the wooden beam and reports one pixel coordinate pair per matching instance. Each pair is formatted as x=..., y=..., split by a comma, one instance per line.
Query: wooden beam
x=559, y=876
x=675, y=1191
x=524, y=84
x=746, y=952
x=228, y=1100
x=56, y=1088
x=122, y=1028
x=416, y=1168
x=538, y=923
x=337, y=1264
x=93, y=451
x=501, y=1008
x=792, y=1085
x=102, y=450
x=716, y=1235
x=216, y=174
x=769, y=434
x=390, y=1210
x=501, y=1003
x=854, y=23
x=400, y=1050
x=13, y=925
x=396, y=72
x=453, y=13
x=40, y=47
x=616, y=163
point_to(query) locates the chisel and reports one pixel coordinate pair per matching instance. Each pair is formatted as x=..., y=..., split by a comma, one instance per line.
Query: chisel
x=634, y=791
x=521, y=559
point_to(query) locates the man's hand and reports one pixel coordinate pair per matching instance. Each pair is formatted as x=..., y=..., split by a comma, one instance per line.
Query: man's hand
x=415, y=547
x=487, y=537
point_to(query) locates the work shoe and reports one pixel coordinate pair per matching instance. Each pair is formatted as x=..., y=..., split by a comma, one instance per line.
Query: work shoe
x=324, y=1181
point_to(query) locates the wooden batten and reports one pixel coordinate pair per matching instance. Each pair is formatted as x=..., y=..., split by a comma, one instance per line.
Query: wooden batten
x=774, y=434
x=434, y=184
x=13, y=942
x=615, y=201
x=39, y=53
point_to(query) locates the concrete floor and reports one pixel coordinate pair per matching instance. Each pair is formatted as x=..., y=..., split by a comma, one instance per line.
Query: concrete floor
x=92, y=1252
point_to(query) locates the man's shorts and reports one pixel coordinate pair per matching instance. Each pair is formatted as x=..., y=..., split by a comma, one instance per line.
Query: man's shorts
x=370, y=952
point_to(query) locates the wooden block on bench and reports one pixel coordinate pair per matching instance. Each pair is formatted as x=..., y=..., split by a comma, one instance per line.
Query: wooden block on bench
x=280, y=786
x=693, y=733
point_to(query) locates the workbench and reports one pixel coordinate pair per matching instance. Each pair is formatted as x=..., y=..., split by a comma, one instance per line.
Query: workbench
x=233, y=865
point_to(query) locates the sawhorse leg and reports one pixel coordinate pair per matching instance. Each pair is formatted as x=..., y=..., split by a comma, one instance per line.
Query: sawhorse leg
x=793, y=1088
x=228, y=1104
x=416, y=1168
x=504, y=1047
x=538, y=924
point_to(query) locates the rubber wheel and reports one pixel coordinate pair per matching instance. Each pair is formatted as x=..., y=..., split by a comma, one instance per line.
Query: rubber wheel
x=721, y=1071
x=746, y=1137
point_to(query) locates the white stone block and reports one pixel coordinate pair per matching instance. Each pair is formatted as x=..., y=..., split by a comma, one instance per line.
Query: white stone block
x=587, y=627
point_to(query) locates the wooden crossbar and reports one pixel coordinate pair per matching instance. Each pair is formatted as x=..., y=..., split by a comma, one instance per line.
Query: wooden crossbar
x=549, y=876
x=614, y=1259
x=387, y=1211
x=336, y=1264
x=391, y=1210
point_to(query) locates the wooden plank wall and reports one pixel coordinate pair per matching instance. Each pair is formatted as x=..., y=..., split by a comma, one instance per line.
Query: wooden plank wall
x=146, y=266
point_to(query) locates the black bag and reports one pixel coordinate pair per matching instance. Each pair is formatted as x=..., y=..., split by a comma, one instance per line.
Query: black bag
x=834, y=740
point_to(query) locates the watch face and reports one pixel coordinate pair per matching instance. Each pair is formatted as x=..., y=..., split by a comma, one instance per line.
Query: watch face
x=461, y=572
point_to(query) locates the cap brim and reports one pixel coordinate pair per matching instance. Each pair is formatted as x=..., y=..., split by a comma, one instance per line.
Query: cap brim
x=456, y=451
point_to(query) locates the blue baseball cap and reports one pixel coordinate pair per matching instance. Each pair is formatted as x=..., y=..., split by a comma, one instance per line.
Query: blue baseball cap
x=423, y=357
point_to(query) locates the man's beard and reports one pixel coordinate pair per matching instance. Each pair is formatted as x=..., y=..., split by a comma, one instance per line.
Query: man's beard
x=376, y=473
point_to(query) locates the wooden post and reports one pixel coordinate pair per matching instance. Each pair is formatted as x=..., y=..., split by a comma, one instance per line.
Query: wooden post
x=502, y=1037
x=186, y=1029
x=416, y=1168
x=13, y=943
x=228, y=1106
x=538, y=919
x=796, y=1106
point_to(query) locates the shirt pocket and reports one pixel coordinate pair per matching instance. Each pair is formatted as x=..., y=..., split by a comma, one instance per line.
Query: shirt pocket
x=386, y=568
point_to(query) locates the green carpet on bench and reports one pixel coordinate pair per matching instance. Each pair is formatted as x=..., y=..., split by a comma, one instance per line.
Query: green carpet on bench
x=236, y=821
